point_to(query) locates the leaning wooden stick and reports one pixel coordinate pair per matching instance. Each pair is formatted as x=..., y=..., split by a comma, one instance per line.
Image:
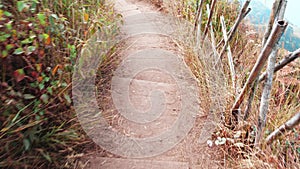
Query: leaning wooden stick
x=287, y=59
x=272, y=41
x=277, y=13
x=229, y=54
x=236, y=24
x=289, y=125
x=198, y=15
x=244, y=11
x=212, y=8
x=265, y=97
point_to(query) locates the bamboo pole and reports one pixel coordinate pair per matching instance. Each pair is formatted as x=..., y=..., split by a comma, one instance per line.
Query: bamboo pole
x=229, y=54
x=289, y=125
x=277, y=32
x=212, y=35
x=212, y=8
x=197, y=28
x=278, y=11
x=243, y=12
x=229, y=32
x=287, y=59
x=198, y=15
x=265, y=98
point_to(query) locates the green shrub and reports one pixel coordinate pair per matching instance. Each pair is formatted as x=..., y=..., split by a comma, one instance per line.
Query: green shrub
x=39, y=42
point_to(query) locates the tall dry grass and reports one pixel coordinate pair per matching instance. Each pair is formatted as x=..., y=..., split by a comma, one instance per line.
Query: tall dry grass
x=219, y=95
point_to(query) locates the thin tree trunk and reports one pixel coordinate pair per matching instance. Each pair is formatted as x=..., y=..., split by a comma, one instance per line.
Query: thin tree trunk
x=264, y=103
x=274, y=38
x=289, y=125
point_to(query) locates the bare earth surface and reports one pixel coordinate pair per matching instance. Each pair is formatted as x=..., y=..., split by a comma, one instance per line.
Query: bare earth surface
x=151, y=91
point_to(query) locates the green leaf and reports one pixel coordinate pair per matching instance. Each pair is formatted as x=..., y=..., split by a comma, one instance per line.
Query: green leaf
x=37, y=117
x=46, y=156
x=45, y=98
x=26, y=143
x=30, y=49
x=32, y=36
x=9, y=47
x=68, y=99
x=28, y=96
x=46, y=36
x=8, y=14
x=26, y=41
x=4, y=53
x=41, y=113
x=41, y=86
x=18, y=51
x=50, y=91
x=9, y=26
x=4, y=37
x=41, y=18
x=47, y=79
x=43, y=36
x=21, y=5
x=64, y=84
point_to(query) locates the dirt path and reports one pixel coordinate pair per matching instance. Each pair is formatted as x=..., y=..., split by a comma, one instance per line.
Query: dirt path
x=152, y=104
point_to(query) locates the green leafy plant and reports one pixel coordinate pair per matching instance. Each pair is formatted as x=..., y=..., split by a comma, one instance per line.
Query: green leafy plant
x=39, y=43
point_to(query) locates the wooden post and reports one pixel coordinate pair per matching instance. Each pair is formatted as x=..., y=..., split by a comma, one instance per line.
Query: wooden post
x=277, y=32
x=265, y=98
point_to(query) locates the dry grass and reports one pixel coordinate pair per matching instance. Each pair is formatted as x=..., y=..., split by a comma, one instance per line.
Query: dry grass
x=216, y=86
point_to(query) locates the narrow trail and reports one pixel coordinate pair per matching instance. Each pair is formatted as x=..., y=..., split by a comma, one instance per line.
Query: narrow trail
x=151, y=91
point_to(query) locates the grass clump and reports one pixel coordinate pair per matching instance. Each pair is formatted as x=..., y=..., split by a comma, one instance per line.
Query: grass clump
x=237, y=142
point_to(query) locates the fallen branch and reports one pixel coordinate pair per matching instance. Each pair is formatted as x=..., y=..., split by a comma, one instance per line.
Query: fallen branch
x=288, y=59
x=272, y=41
x=289, y=125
